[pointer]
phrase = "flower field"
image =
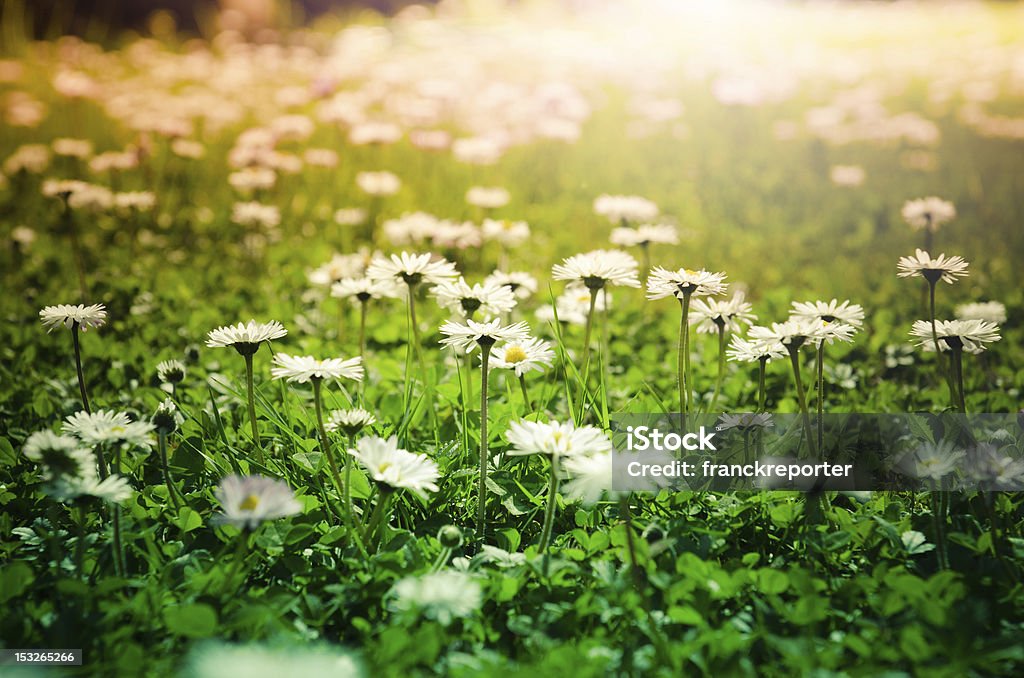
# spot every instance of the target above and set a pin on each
(317, 336)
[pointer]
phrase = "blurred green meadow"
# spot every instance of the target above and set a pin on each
(731, 118)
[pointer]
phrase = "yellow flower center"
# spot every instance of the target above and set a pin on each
(117, 429)
(689, 271)
(384, 466)
(515, 354)
(250, 503)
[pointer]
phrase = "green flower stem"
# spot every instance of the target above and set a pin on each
(348, 488)
(794, 357)
(252, 407)
(586, 335)
(325, 443)
(165, 467)
(721, 364)
(820, 360)
(683, 357)
(362, 328)
(481, 514)
(526, 395)
(762, 368)
(384, 495)
(627, 524)
(956, 360)
(78, 366)
(80, 543)
(442, 558)
(932, 282)
(940, 533)
(549, 512)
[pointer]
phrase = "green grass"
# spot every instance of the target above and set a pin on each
(728, 583)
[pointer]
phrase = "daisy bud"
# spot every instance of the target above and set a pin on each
(450, 537)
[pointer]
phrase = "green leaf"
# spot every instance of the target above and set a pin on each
(197, 620)
(14, 579)
(771, 581)
(7, 454)
(684, 614)
(188, 519)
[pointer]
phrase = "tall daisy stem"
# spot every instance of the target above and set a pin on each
(586, 335)
(721, 365)
(627, 524)
(956, 362)
(362, 329)
(325, 443)
(165, 467)
(761, 369)
(252, 408)
(683, 357)
(549, 511)
(526, 395)
(794, 357)
(373, 528)
(820, 360)
(935, 339)
(481, 512)
(78, 366)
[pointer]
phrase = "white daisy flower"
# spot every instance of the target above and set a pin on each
(619, 208)
(350, 216)
(247, 501)
(487, 197)
(711, 314)
(931, 461)
(362, 290)
(170, 371)
(468, 336)
(64, 314)
(500, 557)
(113, 489)
(590, 477)
(829, 311)
(245, 338)
(461, 298)
(303, 369)
(412, 228)
(969, 335)
(522, 284)
(745, 421)
(457, 234)
(794, 331)
(105, 426)
(665, 283)
(378, 184)
(339, 267)
(349, 421)
(507, 232)
(218, 659)
(523, 356)
(928, 213)
(749, 351)
(995, 470)
(989, 311)
(645, 234)
(255, 214)
(167, 418)
(59, 455)
(442, 596)
(944, 268)
(555, 439)
(400, 469)
(598, 268)
(411, 269)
